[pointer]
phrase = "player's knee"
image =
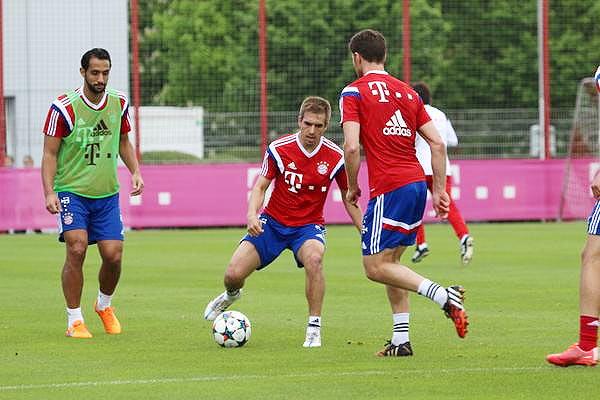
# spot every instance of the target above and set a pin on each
(113, 259)
(313, 263)
(76, 250)
(372, 271)
(233, 276)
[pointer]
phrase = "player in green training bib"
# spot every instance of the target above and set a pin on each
(86, 130)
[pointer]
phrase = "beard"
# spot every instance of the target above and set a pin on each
(95, 88)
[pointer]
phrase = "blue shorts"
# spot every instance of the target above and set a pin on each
(392, 218)
(101, 218)
(277, 237)
(594, 220)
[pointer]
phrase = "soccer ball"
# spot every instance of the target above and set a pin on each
(231, 329)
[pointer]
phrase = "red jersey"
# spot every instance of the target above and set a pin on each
(60, 118)
(301, 179)
(389, 113)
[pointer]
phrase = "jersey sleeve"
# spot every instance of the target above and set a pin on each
(125, 117)
(269, 166)
(56, 124)
(349, 104)
(451, 138)
(422, 116)
(341, 178)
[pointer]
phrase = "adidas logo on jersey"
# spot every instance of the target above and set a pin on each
(292, 165)
(101, 129)
(396, 126)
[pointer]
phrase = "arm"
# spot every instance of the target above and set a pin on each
(128, 156)
(255, 203)
(352, 159)
(51, 147)
(441, 200)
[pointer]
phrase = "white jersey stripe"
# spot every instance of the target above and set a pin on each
(63, 110)
(52, 123)
(408, 227)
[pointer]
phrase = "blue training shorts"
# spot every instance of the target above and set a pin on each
(277, 237)
(101, 218)
(594, 220)
(392, 218)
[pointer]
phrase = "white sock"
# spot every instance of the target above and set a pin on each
(73, 314)
(314, 321)
(400, 334)
(433, 291)
(232, 295)
(103, 301)
(465, 236)
(422, 246)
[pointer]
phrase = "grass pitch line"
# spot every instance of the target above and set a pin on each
(217, 378)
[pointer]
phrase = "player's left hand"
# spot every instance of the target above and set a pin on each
(441, 204)
(137, 184)
(595, 186)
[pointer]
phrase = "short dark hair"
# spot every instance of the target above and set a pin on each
(370, 44)
(423, 90)
(97, 52)
(317, 105)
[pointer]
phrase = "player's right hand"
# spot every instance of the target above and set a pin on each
(352, 195)
(595, 186)
(52, 203)
(441, 204)
(254, 226)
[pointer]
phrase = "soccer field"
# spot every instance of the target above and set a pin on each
(521, 297)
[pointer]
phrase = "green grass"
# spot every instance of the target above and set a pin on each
(521, 296)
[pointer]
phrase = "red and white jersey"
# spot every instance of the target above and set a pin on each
(301, 179)
(61, 117)
(389, 113)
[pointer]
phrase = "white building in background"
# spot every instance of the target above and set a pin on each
(43, 44)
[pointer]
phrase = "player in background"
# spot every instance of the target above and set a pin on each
(85, 132)
(585, 351)
(302, 166)
(446, 131)
(384, 114)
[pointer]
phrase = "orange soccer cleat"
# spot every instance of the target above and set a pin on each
(78, 330)
(109, 320)
(574, 356)
(455, 310)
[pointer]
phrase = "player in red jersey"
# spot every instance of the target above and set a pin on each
(302, 166)
(585, 351)
(384, 114)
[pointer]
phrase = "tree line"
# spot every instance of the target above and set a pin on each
(473, 53)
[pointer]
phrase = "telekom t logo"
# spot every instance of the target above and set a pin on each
(379, 89)
(294, 180)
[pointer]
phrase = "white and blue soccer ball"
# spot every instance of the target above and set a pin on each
(231, 329)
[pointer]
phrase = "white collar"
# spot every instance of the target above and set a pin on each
(376, 71)
(306, 153)
(87, 101)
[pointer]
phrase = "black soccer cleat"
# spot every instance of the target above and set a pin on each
(390, 350)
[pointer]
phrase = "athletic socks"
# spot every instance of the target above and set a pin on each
(103, 301)
(314, 321)
(433, 291)
(400, 334)
(232, 294)
(73, 314)
(588, 332)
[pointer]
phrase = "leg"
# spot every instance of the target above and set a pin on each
(585, 351)
(244, 261)
(589, 292)
(382, 267)
(72, 274)
(311, 256)
(460, 227)
(111, 252)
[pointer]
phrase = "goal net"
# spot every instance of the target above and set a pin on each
(582, 161)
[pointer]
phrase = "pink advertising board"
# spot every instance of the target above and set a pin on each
(216, 194)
